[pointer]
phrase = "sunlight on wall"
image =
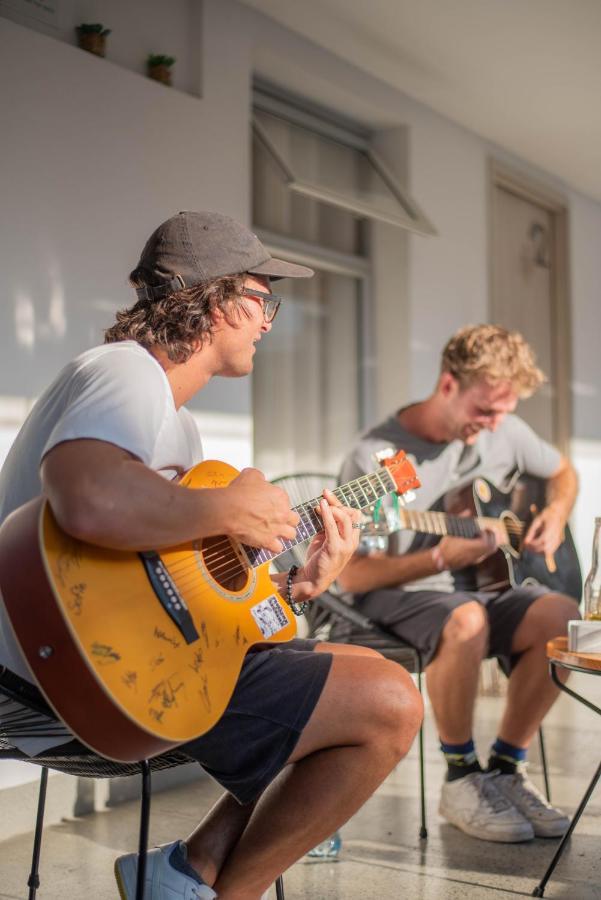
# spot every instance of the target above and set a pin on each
(226, 437)
(24, 321)
(15, 773)
(13, 412)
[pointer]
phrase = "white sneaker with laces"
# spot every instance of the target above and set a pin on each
(474, 805)
(547, 820)
(164, 881)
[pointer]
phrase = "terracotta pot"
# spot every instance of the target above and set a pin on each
(160, 73)
(93, 43)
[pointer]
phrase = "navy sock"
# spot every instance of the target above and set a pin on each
(461, 759)
(506, 758)
(178, 858)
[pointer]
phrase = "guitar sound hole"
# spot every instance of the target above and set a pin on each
(223, 564)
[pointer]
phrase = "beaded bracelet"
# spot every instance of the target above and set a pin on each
(297, 608)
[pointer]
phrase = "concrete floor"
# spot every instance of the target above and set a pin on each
(382, 856)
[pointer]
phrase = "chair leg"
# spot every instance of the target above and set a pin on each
(144, 819)
(423, 830)
(543, 758)
(33, 881)
(279, 888)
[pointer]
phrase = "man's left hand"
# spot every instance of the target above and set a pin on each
(546, 532)
(330, 550)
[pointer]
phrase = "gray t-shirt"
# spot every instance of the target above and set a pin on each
(116, 393)
(496, 456)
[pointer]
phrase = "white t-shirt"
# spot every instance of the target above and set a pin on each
(116, 393)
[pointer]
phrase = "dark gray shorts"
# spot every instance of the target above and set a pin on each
(278, 689)
(418, 617)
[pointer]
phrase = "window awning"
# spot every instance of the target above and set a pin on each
(353, 178)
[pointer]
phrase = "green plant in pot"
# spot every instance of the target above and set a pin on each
(159, 66)
(91, 36)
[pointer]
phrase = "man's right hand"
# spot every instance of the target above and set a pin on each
(457, 553)
(261, 512)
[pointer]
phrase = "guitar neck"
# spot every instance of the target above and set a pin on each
(430, 522)
(358, 494)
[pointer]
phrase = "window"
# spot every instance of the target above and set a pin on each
(317, 186)
(306, 387)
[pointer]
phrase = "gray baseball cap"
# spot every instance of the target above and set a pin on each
(193, 247)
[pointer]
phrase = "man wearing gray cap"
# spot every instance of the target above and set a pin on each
(106, 443)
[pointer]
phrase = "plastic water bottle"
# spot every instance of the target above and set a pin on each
(328, 849)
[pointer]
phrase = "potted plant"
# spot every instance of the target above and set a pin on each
(158, 67)
(91, 36)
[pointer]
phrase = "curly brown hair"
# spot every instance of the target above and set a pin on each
(494, 354)
(177, 323)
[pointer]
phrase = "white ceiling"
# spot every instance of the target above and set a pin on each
(525, 74)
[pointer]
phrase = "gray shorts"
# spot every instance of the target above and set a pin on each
(418, 617)
(278, 689)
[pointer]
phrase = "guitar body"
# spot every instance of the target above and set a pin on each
(137, 653)
(511, 566)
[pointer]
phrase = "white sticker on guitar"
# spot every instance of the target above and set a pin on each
(269, 616)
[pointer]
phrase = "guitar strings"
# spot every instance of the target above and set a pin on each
(222, 560)
(309, 519)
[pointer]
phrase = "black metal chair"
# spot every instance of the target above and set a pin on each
(24, 713)
(333, 617)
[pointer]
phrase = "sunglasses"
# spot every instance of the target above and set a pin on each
(270, 302)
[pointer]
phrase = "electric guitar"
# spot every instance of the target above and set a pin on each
(140, 652)
(511, 511)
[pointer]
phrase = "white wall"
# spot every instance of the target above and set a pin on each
(94, 159)
(137, 29)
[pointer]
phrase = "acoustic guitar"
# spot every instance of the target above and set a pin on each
(511, 512)
(140, 652)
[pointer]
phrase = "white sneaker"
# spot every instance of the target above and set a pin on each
(474, 805)
(547, 820)
(163, 881)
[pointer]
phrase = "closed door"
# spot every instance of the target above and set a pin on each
(524, 299)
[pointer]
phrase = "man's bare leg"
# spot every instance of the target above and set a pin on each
(531, 692)
(452, 676)
(212, 841)
(363, 724)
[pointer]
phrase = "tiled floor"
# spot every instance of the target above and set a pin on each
(382, 856)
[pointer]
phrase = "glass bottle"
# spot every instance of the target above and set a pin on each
(328, 849)
(592, 585)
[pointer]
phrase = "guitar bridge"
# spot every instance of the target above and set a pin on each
(168, 595)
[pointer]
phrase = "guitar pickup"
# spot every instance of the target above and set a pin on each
(168, 595)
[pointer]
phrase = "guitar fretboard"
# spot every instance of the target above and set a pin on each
(429, 522)
(358, 494)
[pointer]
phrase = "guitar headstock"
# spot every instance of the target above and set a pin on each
(402, 471)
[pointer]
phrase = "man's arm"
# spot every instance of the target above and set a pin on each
(372, 571)
(101, 494)
(546, 530)
(369, 572)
